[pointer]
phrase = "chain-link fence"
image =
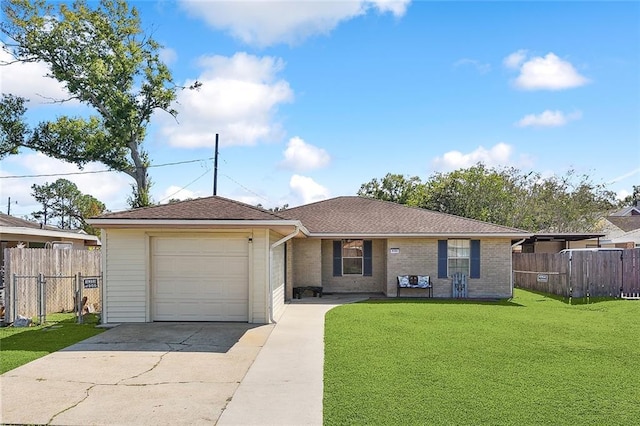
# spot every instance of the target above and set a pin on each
(38, 295)
(88, 295)
(38, 282)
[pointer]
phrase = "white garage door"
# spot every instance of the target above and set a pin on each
(200, 278)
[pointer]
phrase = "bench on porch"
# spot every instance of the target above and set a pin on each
(297, 291)
(415, 281)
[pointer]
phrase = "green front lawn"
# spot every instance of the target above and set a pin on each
(20, 345)
(533, 360)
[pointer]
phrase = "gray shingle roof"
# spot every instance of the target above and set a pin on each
(341, 215)
(7, 220)
(366, 216)
(626, 223)
(209, 208)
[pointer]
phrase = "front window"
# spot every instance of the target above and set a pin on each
(352, 257)
(458, 255)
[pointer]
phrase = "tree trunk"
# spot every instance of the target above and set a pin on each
(141, 196)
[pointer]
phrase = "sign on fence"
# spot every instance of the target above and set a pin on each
(90, 282)
(543, 278)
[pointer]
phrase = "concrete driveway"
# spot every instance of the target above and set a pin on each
(156, 373)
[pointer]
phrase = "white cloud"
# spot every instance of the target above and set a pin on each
(111, 188)
(516, 59)
(168, 56)
(238, 99)
(306, 190)
(481, 67)
(548, 118)
(544, 73)
(301, 156)
(397, 7)
(498, 155)
(267, 22)
(29, 81)
(622, 194)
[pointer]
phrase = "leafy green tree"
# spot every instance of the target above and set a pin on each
(477, 192)
(106, 62)
(629, 200)
(507, 197)
(274, 209)
(44, 195)
(395, 188)
(13, 129)
(65, 206)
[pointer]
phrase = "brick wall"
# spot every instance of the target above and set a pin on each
(419, 256)
(416, 256)
(305, 259)
(355, 283)
(311, 263)
(495, 270)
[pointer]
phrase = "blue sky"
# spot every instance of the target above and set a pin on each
(313, 99)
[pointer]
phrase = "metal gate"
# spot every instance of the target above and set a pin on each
(38, 295)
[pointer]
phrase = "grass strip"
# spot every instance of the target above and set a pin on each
(531, 360)
(20, 345)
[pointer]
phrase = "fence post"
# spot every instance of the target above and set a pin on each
(622, 273)
(41, 299)
(79, 297)
(14, 298)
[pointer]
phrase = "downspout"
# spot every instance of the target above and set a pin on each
(274, 245)
(511, 261)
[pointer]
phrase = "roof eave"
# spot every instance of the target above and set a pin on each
(191, 223)
(420, 235)
(18, 230)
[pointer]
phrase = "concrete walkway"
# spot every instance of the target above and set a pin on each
(285, 383)
(180, 374)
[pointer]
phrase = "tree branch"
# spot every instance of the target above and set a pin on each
(58, 101)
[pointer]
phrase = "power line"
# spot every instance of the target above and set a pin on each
(241, 185)
(57, 174)
(245, 188)
(181, 162)
(101, 171)
(185, 187)
(151, 166)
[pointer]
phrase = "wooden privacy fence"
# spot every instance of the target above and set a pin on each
(43, 281)
(580, 273)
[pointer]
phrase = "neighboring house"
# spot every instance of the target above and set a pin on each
(622, 228)
(622, 231)
(554, 242)
(15, 232)
(215, 259)
(633, 210)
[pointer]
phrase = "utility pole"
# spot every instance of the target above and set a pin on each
(215, 169)
(9, 206)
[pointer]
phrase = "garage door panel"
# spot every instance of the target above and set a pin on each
(193, 246)
(201, 311)
(200, 279)
(203, 265)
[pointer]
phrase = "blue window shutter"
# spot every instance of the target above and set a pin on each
(475, 259)
(442, 258)
(337, 258)
(368, 258)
